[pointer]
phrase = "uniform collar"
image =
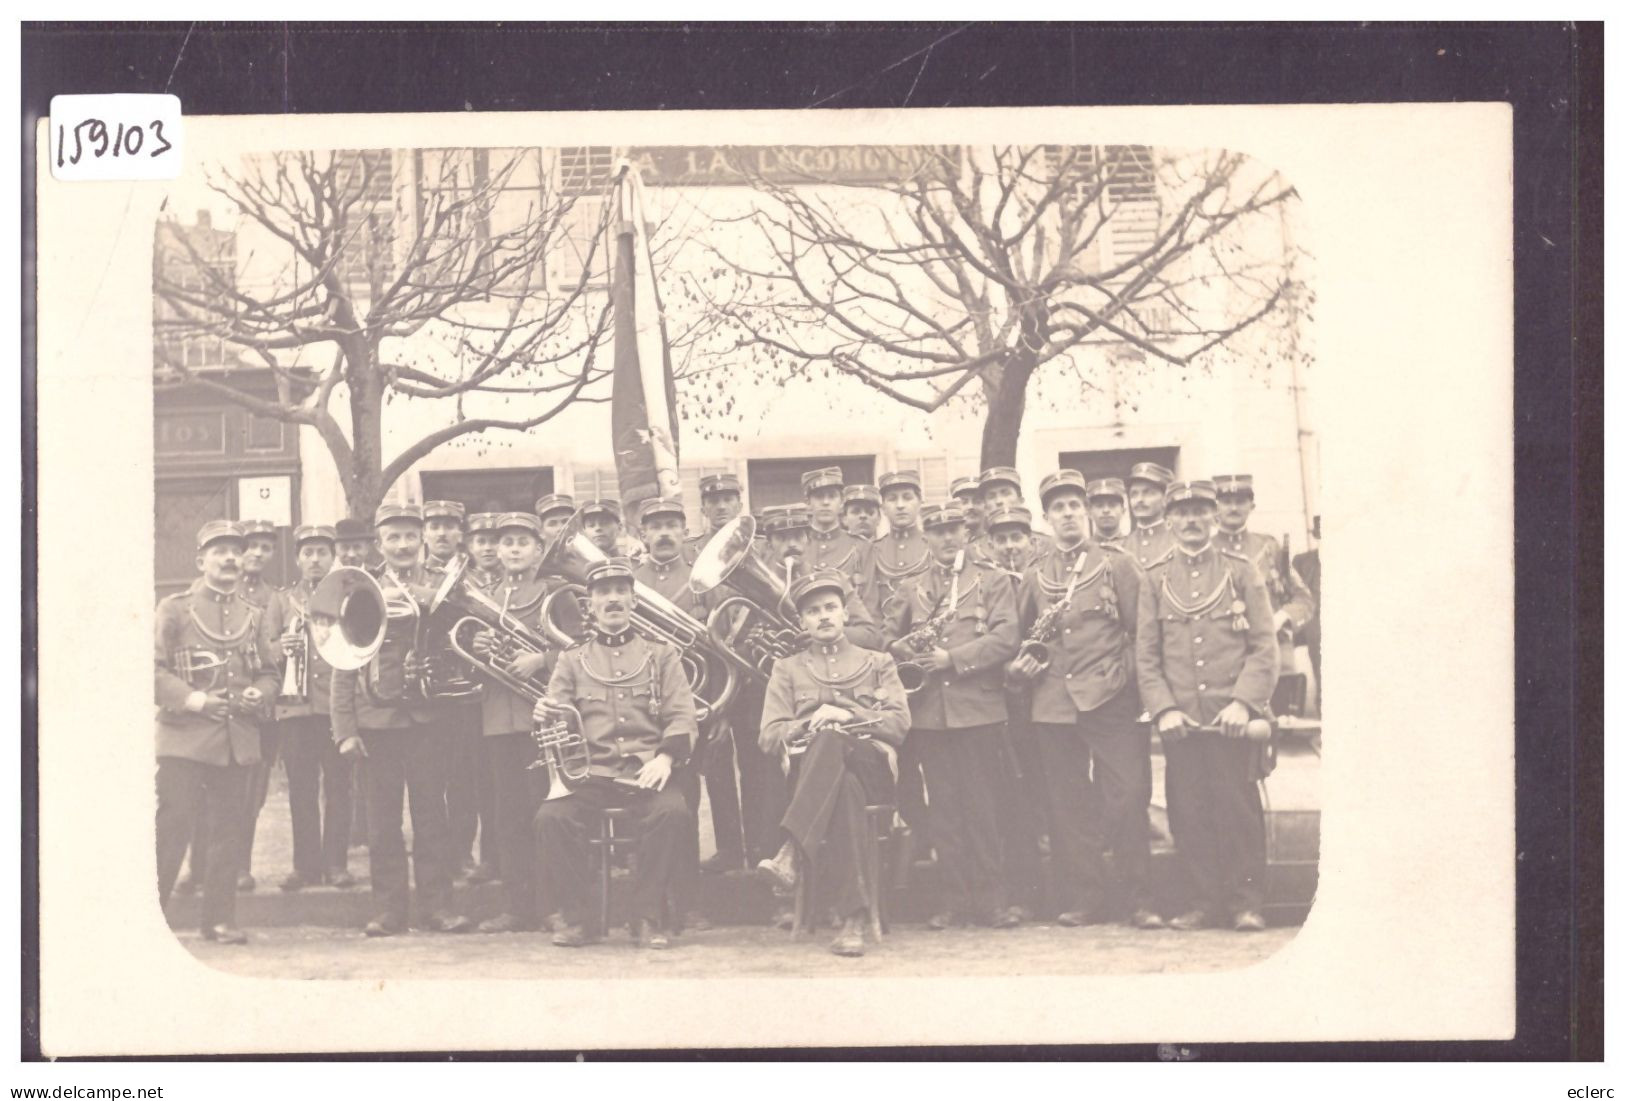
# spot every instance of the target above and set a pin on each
(621, 639)
(525, 575)
(1234, 539)
(1069, 553)
(217, 595)
(663, 568)
(831, 650)
(826, 536)
(900, 534)
(1197, 557)
(1153, 529)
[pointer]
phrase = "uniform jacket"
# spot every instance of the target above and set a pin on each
(633, 698)
(1206, 635)
(1092, 654)
(1149, 544)
(503, 711)
(980, 639)
(898, 555)
(253, 588)
(289, 609)
(225, 624)
(863, 681)
(377, 696)
(670, 580)
(1286, 590)
(841, 550)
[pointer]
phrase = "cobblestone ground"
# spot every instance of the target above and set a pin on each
(303, 952)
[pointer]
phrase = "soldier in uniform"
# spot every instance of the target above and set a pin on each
(721, 502)
(957, 623)
(999, 487)
(666, 571)
(860, 511)
(789, 536)
(1108, 511)
(216, 672)
(259, 538)
(1084, 710)
(378, 715)
(637, 717)
(1022, 800)
(516, 788)
(829, 547)
(1290, 600)
(467, 795)
(601, 522)
(355, 544)
(1206, 655)
(320, 786)
(554, 511)
(844, 709)
(1147, 491)
(483, 541)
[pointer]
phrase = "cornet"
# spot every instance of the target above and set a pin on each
(561, 749)
(296, 673)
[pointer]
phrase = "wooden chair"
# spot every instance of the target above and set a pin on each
(613, 833)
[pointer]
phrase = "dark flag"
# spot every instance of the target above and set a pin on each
(644, 400)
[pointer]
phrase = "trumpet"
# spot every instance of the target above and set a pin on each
(565, 621)
(561, 749)
(296, 673)
(756, 625)
(797, 744)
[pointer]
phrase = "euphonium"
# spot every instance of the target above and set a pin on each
(564, 619)
(754, 625)
(562, 750)
(481, 613)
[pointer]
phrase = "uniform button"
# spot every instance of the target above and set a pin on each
(1067, 631)
(1198, 639)
(1201, 688)
(1200, 662)
(1069, 676)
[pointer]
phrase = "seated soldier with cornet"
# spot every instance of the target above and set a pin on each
(838, 712)
(633, 710)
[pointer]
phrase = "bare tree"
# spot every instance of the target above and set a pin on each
(353, 292)
(966, 277)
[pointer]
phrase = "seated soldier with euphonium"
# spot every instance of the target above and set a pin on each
(840, 713)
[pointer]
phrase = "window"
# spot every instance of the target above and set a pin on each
(778, 481)
(1131, 204)
(933, 470)
(1117, 463)
(513, 490)
(583, 175)
(596, 483)
(492, 202)
(365, 179)
(690, 477)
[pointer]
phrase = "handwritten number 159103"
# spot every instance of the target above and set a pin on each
(92, 136)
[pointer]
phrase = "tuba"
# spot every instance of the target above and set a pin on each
(562, 750)
(754, 625)
(478, 612)
(349, 617)
(565, 621)
(444, 676)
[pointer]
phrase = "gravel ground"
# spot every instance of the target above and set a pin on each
(321, 953)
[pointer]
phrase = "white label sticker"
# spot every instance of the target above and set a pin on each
(116, 137)
(269, 498)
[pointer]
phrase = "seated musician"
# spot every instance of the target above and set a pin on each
(841, 712)
(637, 716)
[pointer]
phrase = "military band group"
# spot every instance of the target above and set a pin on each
(990, 688)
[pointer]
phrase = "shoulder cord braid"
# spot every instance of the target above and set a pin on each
(251, 653)
(904, 570)
(625, 680)
(1204, 605)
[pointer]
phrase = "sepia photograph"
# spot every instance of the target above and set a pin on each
(867, 564)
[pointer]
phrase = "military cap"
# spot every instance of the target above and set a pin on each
(660, 506)
(483, 521)
(818, 581)
(1199, 490)
(940, 516)
(443, 510)
(860, 493)
(1233, 483)
(967, 484)
(609, 569)
(1061, 479)
(1015, 515)
(906, 479)
(1107, 487)
(215, 530)
(554, 502)
(829, 477)
(352, 527)
(995, 474)
(256, 527)
(524, 520)
(607, 505)
(785, 518)
(1155, 473)
(386, 513)
(305, 533)
(720, 483)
